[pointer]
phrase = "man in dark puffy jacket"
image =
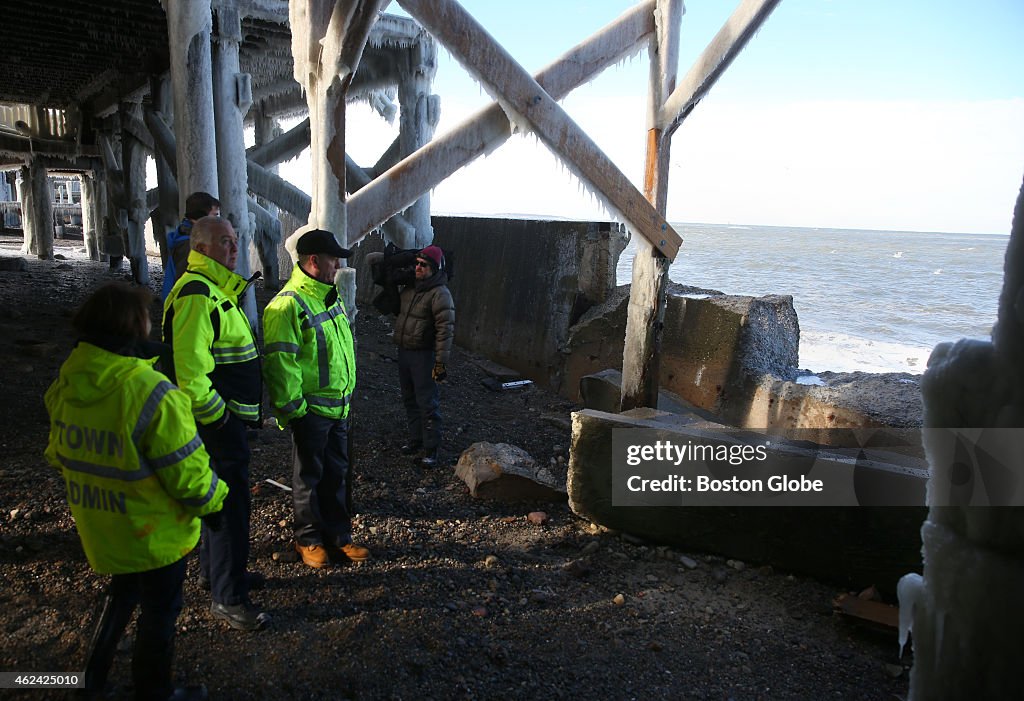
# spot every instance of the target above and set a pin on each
(424, 331)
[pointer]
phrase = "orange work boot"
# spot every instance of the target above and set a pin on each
(351, 552)
(313, 555)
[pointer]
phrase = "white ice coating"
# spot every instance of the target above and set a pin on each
(967, 612)
(189, 25)
(909, 591)
(382, 102)
(317, 27)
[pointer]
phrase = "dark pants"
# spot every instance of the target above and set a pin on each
(320, 473)
(159, 593)
(223, 554)
(421, 398)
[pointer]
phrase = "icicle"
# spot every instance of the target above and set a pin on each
(909, 591)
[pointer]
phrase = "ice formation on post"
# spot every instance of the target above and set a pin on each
(966, 611)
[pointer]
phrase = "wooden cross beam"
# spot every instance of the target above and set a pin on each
(528, 102)
(484, 131)
(741, 26)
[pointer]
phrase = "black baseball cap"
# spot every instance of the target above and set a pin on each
(321, 241)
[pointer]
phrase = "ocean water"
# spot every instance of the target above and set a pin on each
(876, 301)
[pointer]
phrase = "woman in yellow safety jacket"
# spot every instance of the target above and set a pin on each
(138, 480)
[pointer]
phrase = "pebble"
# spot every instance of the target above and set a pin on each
(736, 565)
(537, 518)
(543, 598)
(619, 600)
(894, 670)
(577, 568)
(491, 561)
(283, 523)
(480, 611)
(590, 548)
(688, 562)
(373, 530)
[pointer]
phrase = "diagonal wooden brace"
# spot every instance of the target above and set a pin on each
(529, 102)
(483, 132)
(741, 26)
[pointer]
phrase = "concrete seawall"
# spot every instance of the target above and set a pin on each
(539, 296)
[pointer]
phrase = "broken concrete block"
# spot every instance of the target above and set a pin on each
(506, 472)
(14, 265)
(844, 544)
(712, 347)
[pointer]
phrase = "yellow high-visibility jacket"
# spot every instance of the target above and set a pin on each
(136, 472)
(216, 362)
(310, 358)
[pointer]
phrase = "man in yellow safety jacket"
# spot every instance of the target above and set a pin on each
(216, 363)
(311, 373)
(137, 478)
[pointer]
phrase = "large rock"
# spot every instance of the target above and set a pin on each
(508, 473)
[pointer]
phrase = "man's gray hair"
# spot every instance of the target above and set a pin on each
(206, 229)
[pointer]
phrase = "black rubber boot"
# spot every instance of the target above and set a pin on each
(114, 617)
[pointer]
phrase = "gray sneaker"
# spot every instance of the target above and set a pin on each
(242, 616)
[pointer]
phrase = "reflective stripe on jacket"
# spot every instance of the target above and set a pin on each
(310, 358)
(136, 472)
(216, 361)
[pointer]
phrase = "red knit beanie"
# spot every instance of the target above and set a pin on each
(434, 254)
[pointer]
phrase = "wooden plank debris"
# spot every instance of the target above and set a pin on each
(874, 613)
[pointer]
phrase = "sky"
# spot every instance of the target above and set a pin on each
(867, 114)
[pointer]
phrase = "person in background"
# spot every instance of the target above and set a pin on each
(138, 480)
(310, 372)
(424, 330)
(216, 363)
(197, 206)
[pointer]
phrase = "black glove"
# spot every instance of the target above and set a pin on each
(214, 520)
(297, 423)
(439, 373)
